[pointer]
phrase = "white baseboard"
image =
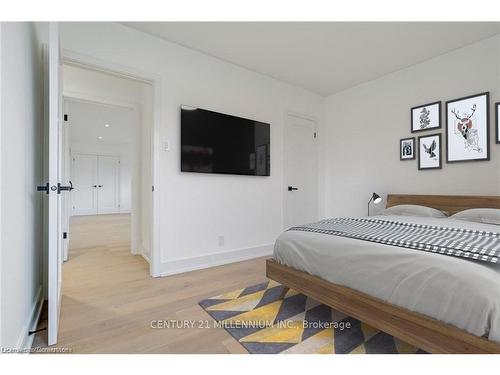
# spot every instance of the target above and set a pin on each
(215, 259)
(25, 340)
(145, 256)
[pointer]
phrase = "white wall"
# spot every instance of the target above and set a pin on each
(364, 125)
(195, 208)
(21, 125)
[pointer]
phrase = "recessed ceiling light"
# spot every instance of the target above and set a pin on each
(99, 137)
(106, 125)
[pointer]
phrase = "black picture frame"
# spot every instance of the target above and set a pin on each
(487, 94)
(401, 148)
(497, 122)
(438, 103)
(440, 156)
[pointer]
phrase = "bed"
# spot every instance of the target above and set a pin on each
(439, 303)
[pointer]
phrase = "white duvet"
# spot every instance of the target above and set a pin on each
(454, 290)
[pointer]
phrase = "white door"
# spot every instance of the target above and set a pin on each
(53, 168)
(300, 171)
(108, 182)
(84, 178)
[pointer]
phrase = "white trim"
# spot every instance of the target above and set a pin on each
(144, 255)
(301, 116)
(90, 62)
(215, 259)
(25, 340)
(80, 97)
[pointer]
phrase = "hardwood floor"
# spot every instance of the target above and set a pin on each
(109, 300)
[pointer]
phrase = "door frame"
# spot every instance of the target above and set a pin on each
(91, 63)
(283, 138)
(136, 108)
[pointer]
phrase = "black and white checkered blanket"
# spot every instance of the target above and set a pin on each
(465, 243)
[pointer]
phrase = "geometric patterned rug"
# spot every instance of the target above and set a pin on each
(269, 318)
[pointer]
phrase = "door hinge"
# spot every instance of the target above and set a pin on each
(314, 134)
(65, 235)
(153, 188)
(65, 117)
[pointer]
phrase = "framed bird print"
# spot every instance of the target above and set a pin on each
(467, 128)
(426, 117)
(497, 124)
(429, 151)
(407, 149)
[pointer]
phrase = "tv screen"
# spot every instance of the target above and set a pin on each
(214, 142)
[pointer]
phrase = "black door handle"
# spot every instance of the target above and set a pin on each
(291, 188)
(64, 188)
(100, 185)
(44, 188)
(94, 186)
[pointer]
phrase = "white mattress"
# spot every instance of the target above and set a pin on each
(454, 290)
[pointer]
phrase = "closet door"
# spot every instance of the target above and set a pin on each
(84, 177)
(108, 180)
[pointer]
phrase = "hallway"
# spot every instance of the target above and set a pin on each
(109, 299)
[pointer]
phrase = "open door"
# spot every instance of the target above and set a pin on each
(53, 187)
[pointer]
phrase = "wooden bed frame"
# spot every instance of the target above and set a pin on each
(424, 332)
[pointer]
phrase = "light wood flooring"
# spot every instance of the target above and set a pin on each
(109, 299)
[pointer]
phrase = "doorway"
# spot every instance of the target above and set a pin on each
(300, 203)
(108, 119)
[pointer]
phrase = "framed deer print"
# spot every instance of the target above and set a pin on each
(407, 149)
(426, 117)
(497, 124)
(467, 128)
(429, 151)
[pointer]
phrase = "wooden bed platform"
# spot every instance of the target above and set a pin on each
(424, 332)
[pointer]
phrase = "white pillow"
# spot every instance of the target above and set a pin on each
(413, 210)
(479, 215)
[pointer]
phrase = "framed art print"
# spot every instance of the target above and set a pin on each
(467, 128)
(497, 123)
(407, 149)
(426, 117)
(429, 151)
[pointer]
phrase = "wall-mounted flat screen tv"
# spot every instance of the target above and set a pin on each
(213, 142)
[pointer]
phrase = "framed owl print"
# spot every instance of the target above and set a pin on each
(467, 128)
(429, 151)
(426, 117)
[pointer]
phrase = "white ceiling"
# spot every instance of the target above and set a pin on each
(324, 57)
(87, 123)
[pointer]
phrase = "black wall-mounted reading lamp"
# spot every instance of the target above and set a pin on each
(376, 199)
